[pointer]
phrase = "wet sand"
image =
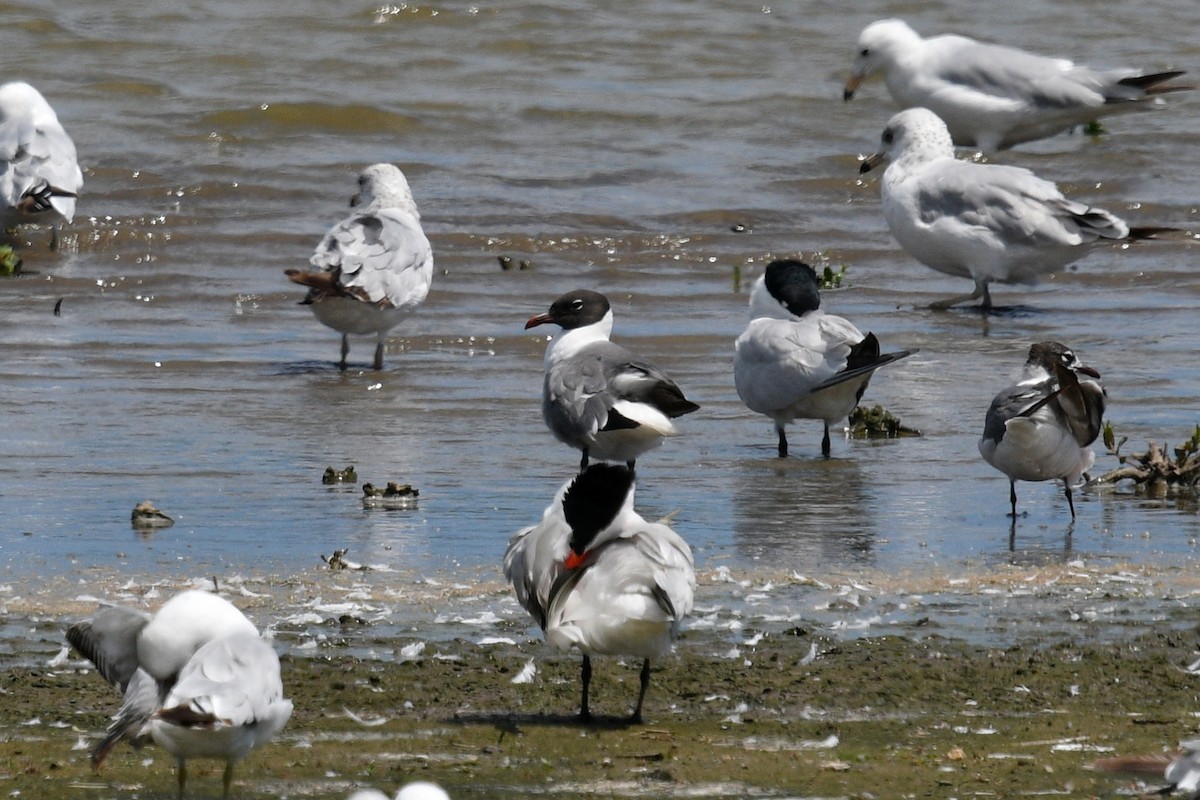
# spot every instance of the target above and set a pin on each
(754, 705)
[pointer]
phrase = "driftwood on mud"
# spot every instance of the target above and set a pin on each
(1155, 472)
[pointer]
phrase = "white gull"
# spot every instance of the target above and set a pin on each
(991, 96)
(375, 266)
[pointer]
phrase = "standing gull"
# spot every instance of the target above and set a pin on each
(39, 176)
(375, 266)
(1039, 428)
(196, 678)
(794, 360)
(597, 396)
(986, 222)
(993, 97)
(598, 577)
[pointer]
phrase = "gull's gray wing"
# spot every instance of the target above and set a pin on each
(109, 640)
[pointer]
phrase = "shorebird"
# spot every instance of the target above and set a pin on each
(1040, 428)
(986, 222)
(39, 176)
(597, 396)
(599, 578)
(374, 267)
(991, 96)
(196, 677)
(795, 361)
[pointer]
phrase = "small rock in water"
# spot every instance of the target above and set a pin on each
(145, 515)
(396, 495)
(347, 475)
(878, 423)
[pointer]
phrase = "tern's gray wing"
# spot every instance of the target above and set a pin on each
(864, 359)
(109, 640)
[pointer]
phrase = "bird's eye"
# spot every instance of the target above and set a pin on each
(888, 136)
(577, 305)
(865, 52)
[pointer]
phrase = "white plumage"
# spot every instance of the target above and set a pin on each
(597, 396)
(991, 96)
(39, 176)
(794, 361)
(196, 678)
(375, 266)
(1040, 428)
(987, 222)
(599, 578)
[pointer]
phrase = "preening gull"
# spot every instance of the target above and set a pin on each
(196, 676)
(1040, 428)
(39, 175)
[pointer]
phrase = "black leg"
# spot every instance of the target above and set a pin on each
(825, 442)
(631, 463)
(379, 356)
(586, 675)
(1012, 497)
(1070, 500)
(583, 462)
(782, 441)
(637, 712)
(345, 351)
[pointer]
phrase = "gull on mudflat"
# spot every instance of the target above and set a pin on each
(597, 396)
(987, 222)
(39, 176)
(375, 266)
(599, 578)
(196, 676)
(794, 360)
(993, 97)
(1040, 428)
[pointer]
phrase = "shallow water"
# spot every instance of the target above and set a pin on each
(614, 147)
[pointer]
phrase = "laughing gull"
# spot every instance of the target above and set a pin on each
(794, 360)
(993, 97)
(196, 678)
(597, 396)
(599, 578)
(986, 222)
(1039, 428)
(375, 266)
(39, 176)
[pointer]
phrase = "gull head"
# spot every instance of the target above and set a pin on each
(879, 46)
(914, 135)
(384, 186)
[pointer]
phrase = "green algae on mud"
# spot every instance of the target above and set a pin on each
(883, 716)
